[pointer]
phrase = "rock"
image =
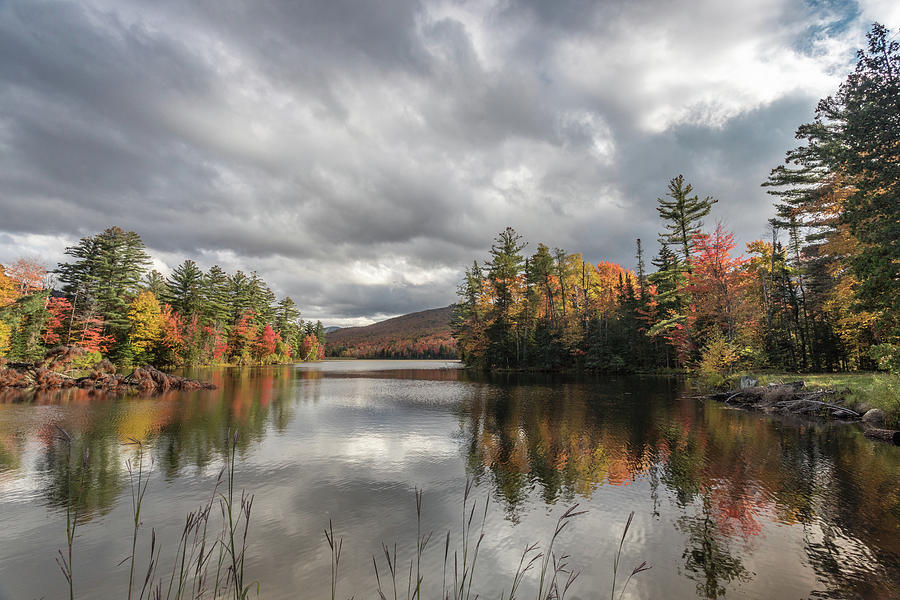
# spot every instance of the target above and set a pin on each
(748, 382)
(50, 373)
(104, 366)
(874, 416)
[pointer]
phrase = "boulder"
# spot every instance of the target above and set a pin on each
(748, 382)
(874, 416)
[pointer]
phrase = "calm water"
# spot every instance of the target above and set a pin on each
(728, 503)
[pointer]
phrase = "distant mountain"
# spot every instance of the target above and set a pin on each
(424, 334)
(331, 329)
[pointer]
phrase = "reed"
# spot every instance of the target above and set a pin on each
(205, 566)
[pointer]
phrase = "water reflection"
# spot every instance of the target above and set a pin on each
(728, 471)
(730, 494)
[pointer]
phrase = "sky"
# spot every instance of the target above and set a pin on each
(359, 155)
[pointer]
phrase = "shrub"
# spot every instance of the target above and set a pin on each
(887, 357)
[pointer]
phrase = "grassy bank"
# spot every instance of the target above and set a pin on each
(860, 391)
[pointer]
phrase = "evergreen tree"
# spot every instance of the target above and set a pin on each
(866, 110)
(683, 216)
(505, 266)
(155, 283)
(642, 278)
(105, 276)
(287, 316)
(240, 296)
(216, 302)
(184, 289)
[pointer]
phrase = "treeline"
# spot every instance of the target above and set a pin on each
(107, 301)
(432, 347)
(822, 294)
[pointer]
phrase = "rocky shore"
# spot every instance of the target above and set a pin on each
(796, 399)
(54, 372)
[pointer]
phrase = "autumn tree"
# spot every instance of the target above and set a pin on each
(29, 274)
(8, 289)
(59, 314)
(145, 316)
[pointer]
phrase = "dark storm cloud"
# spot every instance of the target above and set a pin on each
(359, 155)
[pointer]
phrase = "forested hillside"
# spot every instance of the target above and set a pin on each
(820, 293)
(424, 334)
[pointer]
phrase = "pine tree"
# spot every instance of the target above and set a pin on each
(642, 278)
(683, 216)
(155, 283)
(216, 304)
(105, 276)
(503, 273)
(866, 109)
(287, 316)
(184, 289)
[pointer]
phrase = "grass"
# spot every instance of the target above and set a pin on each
(212, 567)
(861, 391)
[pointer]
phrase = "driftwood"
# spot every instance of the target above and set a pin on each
(50, 373)
(795, 398)
(883, 434)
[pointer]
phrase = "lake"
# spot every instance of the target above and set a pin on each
(727, 503)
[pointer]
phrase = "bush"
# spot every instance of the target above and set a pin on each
(717, 358)
(85, 361)
(886, 356)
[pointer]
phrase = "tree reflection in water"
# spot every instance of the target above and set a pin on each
(727, 471)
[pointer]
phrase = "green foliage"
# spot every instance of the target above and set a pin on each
(25, 319)
(887, 357)
(503, 272)
(864, 115)
(184, 289)
(86, 361)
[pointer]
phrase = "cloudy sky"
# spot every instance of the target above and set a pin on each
(360, 154)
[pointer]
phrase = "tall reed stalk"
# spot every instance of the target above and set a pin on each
(72, 504)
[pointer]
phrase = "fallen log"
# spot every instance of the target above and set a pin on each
(883, 434)
(825, 404)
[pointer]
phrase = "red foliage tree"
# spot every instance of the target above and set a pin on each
(243, 336)
(266, 343)
(56, 329)
(91, 337)
(171, 338)
(717, 281)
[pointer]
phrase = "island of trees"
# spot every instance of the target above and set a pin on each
(108, 302)
(821, 293)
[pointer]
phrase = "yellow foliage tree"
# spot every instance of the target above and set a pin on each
(5, 333)
(718, 357)
(145, 316)
(8, 288)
